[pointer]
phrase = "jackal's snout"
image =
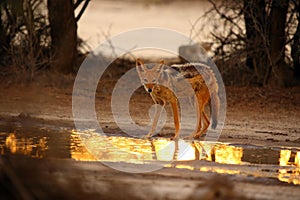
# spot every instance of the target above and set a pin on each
(149, 87)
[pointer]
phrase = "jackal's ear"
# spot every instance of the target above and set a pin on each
(160, 66)
(140, 66)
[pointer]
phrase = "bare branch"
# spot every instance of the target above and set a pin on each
(86, 3)
(77, 3)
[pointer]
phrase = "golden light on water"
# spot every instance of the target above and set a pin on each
(204, 150)
(78, 150)
(228, 154)
(11, 143)
(34, 147)
(141, 151)
(189, 167)
(125, 149)
(220, 171)
(167, 150)
(284, 157)
(186, 151)
(297, 159)
(112, 149)
(164, 149)
(138, 151)
(289, 175)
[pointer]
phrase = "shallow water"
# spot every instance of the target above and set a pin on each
(282, 163)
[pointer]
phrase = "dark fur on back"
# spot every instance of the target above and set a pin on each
(189, 71)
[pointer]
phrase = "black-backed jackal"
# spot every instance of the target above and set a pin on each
(162, 82)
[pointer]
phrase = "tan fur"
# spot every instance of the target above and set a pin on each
(202, 84)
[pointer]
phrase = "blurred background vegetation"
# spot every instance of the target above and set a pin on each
(254, 42)
(257, 40)
(38, 35)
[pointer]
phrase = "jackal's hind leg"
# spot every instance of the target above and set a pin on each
(198, 105)
(157, 113)
(202, 119)
(175, 107)
(205, 125)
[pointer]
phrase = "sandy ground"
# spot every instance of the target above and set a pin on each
(88, 180)
(256, 116)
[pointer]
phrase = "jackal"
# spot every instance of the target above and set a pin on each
(163, 82)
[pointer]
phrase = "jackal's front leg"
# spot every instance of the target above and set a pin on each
(158, 110)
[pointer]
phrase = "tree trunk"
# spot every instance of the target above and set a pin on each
(3, 36)
(277, 40)
(296, 47)
(2, 33)
(256, 29)
(63, 35)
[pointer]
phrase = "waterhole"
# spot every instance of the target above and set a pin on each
(281, 163)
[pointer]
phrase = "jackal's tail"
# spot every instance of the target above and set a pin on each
(215, 106)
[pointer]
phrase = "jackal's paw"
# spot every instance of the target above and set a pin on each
(199, 135)
(189, 137)
(193, 136)
(148, 136)
(175, 138)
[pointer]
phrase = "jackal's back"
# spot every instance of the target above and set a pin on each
(196, 72)
(203, 81)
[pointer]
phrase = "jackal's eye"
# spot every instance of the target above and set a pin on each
(145, 80)
(153, 81)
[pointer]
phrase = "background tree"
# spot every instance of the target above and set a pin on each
(63, 25)
(255, 17)
(296, 41)
(259, 36)
(277, 39)
(63, 34)
(32, 39)
(24, 37)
